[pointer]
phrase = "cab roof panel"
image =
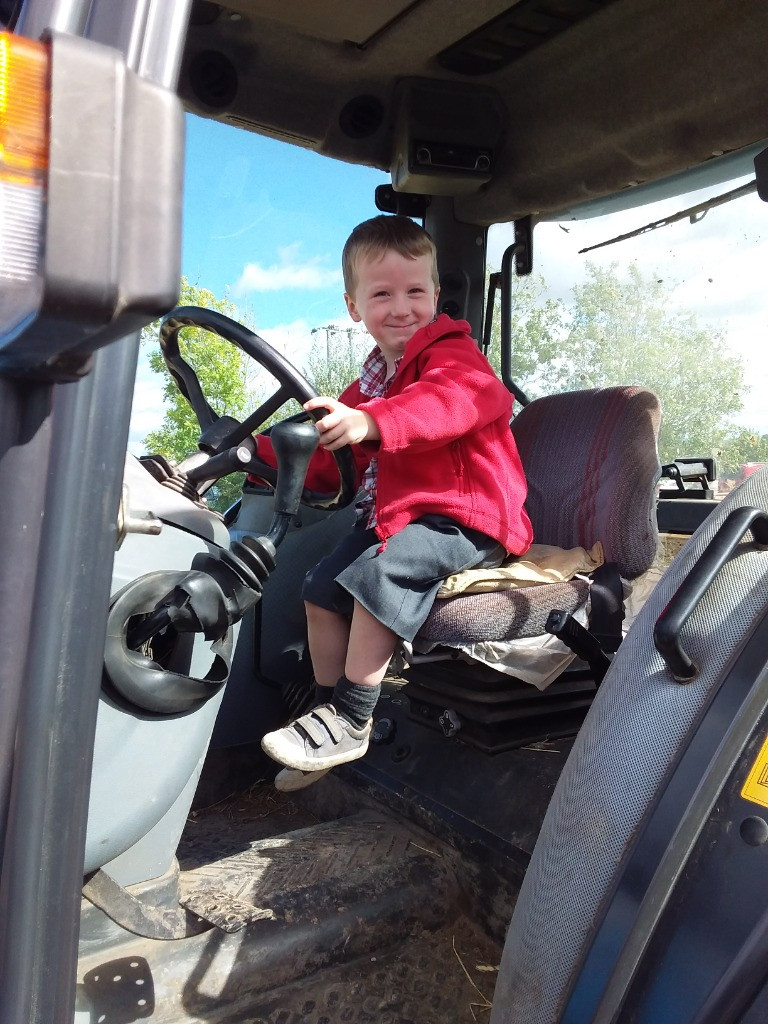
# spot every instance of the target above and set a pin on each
(596, 96)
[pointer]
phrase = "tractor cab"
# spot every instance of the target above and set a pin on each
(562, 813)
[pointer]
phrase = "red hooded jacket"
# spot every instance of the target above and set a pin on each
(445, 448)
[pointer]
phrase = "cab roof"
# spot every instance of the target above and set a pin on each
(542, 107)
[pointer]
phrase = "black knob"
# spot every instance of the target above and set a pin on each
(293, 444)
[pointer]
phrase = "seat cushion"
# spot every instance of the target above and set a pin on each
(503, 615)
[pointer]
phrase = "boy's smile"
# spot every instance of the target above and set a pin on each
(394, 297)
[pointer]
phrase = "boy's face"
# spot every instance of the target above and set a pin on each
(394, 297)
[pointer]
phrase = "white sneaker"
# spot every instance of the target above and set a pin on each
(320, 739)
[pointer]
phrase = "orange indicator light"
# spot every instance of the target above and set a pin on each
(24, 101)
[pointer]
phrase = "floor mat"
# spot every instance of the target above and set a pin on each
(444, 977)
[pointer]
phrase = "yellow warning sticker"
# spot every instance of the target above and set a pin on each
(756, 786)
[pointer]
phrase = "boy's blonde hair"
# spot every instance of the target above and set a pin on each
(379, 235)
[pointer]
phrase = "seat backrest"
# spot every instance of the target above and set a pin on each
(604, 836)
(591, 462)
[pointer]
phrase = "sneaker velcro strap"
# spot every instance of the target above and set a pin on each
(314, 730)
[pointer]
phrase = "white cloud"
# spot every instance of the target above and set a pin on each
(292, 340)
(290, 272)
(147, 410)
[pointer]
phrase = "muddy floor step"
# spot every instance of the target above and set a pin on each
(280, 909)
(442, 977)
(314, 873)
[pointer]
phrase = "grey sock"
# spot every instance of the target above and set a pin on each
(355, 701)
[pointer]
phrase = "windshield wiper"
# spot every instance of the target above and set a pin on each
(693, 213)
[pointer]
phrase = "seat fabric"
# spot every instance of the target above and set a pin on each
(501, 615)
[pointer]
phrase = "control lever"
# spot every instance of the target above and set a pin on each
(229, 461)
(294, 445)
(222, 585)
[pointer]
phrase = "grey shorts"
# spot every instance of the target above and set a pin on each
(398, 585)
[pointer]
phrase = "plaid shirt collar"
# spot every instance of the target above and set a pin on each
(373, 375)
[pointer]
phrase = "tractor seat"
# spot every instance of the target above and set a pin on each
(591, 462)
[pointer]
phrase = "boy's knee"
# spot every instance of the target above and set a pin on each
(317, 611)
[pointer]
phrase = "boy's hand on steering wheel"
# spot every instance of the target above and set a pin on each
(342, 425)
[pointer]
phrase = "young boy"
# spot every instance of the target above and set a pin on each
(443, 488)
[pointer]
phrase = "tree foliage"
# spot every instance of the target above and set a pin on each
(741, 446)
(626, 331)
(223, 374)
(538, 325)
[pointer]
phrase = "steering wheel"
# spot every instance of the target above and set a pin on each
(222, 433)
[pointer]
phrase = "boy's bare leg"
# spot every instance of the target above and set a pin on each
(370, 648)
(361, 651)
(328, 634)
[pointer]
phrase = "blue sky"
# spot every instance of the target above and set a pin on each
(282, 215)
(265, 222)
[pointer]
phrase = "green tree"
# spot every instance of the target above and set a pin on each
(538, 325)
(626, 331)
(740, 446)
(223, 374)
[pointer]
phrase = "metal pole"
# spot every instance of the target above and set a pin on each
(25, 436)
(61, 460)
(43, 862)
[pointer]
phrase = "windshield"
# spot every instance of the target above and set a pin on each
(678, 309)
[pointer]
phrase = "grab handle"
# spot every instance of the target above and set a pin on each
(666, 633)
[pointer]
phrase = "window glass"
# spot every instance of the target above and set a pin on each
(680, 309)
(264, 226)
